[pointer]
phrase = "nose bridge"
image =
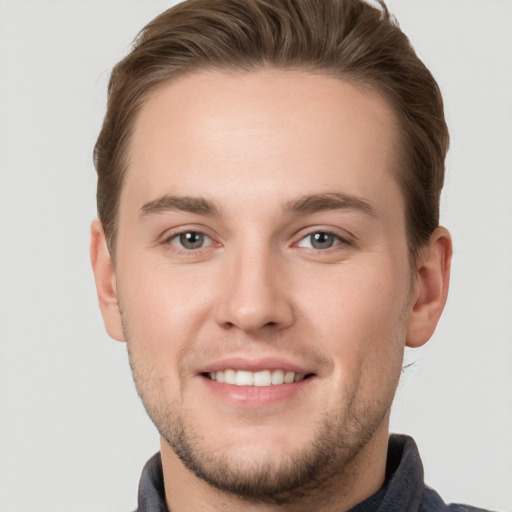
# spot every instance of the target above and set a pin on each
(255, 293)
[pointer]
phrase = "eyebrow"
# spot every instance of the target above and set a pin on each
(301, 206)
(329, 201)
(199, 205)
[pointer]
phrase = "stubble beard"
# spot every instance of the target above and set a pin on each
(325, 463)
(328, 461)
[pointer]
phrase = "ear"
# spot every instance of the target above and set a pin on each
(105, 278)
(430, 287)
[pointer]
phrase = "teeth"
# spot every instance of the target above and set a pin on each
(243, 379)
(277, 377)
(261, 378)
(289, 377)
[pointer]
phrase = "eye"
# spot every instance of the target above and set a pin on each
(190, 240)
(320, 240)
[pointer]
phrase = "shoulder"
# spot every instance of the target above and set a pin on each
(406, 486)
(432, 502)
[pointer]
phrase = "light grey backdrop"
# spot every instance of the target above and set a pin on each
(73, 436)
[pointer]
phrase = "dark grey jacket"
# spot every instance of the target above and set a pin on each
(404, 490)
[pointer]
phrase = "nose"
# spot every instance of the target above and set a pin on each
(255, 293)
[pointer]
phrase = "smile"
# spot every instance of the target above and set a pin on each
(259, 378)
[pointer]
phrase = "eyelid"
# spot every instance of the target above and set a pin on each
(337, 241)
(165, 239)
(344, 238)
(178, 235)
(169, 233)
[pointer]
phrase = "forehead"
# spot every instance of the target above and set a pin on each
(273, 132)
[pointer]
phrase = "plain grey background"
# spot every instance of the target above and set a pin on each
(73, 436)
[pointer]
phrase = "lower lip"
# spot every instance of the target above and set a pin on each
(256, 396)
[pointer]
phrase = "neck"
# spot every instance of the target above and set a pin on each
(357, 481)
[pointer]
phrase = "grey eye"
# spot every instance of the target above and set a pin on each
(191, 240)
(320, 240)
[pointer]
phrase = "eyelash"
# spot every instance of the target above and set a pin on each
(188, 251)
(336, 239)
(178, 247)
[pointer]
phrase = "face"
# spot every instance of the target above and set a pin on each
(262, 274)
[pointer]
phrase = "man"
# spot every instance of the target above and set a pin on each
(268, 243)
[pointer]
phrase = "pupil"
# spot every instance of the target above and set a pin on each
(322, 240)
(191, 240)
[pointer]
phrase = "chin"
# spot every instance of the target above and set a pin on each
(270, 471)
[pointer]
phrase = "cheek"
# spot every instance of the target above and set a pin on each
(163, 311)
(362, 323)
(360, 314)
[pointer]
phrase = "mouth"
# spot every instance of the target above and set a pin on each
(261, 378)
(262, 383)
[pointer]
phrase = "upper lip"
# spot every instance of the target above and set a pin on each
(254, 365)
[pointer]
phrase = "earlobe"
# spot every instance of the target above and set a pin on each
(431, 287)
(105, 278)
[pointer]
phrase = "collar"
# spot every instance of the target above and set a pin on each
(151, 487)
(404, 489)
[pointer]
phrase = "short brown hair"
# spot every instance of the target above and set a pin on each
(349, 39)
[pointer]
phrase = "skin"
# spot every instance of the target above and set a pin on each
(254, 145)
